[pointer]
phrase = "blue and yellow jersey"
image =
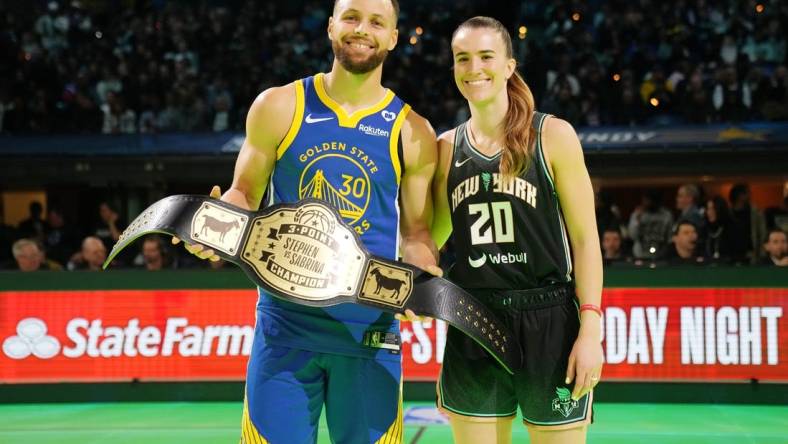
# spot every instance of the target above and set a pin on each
(352, 162)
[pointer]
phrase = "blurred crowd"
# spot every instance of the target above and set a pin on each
(161, 66)
(697, 230)
(50, 242)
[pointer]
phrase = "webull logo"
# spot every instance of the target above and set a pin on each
(498, 258)
(91, 338)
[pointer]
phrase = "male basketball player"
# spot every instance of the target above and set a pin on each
(343, 138)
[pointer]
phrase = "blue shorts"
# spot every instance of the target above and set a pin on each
(287, 387)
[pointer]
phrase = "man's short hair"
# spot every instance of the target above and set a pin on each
(394, 3)
(693, 191)
(738, 190)
(683, 222)
(19, 245)
(612, 230)
(773, 230)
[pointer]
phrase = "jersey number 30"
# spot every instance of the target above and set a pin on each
(502, 229)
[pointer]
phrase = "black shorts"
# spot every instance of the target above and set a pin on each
(547, 322)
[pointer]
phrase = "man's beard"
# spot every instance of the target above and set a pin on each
(357, 66)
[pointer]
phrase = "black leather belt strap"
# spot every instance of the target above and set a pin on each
(304, 253)
(530, 299)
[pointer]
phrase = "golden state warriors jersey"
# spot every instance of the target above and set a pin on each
(352, 162)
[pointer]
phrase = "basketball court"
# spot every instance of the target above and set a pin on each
(212, 422)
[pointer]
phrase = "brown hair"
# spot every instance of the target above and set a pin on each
(394, 3)
(518, 131)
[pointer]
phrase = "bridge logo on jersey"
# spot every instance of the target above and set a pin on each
(339, 175)
(218, 227)
(386, 284)
(304, 252)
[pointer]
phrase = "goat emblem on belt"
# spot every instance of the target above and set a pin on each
(387, 284)
(218, 227)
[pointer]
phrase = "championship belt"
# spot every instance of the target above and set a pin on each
(304, 253)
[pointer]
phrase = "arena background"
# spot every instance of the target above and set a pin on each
(106, 106)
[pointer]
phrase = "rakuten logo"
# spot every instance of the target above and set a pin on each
(93, 339)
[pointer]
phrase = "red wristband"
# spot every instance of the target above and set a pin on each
(591, 307)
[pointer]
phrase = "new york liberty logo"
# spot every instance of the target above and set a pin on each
(486, 180)
(564, 402)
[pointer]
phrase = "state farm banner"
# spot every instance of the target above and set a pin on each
(118, 335)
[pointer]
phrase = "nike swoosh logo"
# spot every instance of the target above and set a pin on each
(459, 164)
(476, 263)
(310, 119)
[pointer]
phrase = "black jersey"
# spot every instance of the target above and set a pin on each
(507, 234)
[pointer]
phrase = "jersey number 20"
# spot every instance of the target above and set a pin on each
(502, 229)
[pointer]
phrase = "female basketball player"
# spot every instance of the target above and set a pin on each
(513, 192)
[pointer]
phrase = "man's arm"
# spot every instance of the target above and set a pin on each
(441, 222)
(420, 157)
(267, 123)
(576, 196)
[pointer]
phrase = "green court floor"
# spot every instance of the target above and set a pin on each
(152, 423)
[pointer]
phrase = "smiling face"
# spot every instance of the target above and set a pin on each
(362, 32)
(481, 63)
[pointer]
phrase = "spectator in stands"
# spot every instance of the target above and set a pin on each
(732, 99)
(684, 245)
(118, 118)
(110, 226)
(559, 101)
(34, 226)
(608, 215)
(90, 257)
(60, 240)
(612, 247)
(777, 217)
(628, 109)
(776, 106)
(776, 247)
(749, 226)
(688, 198)
(155, 255)
(29, 257)
(695, 100)
(650, 227)
(719, 230)
(62, 67)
